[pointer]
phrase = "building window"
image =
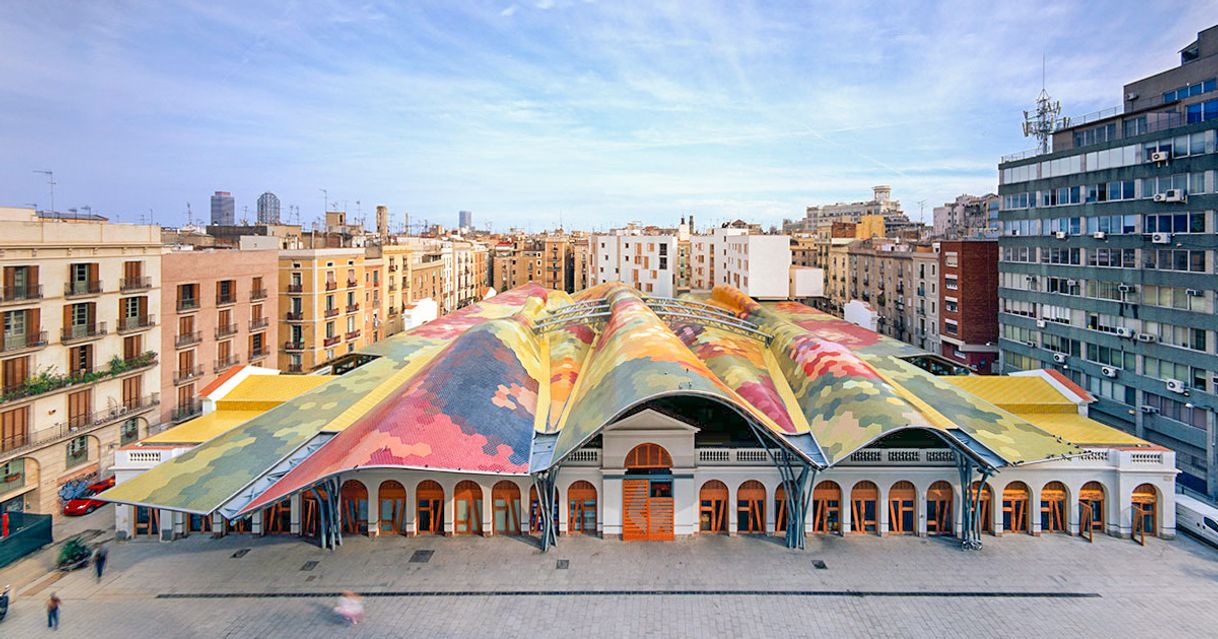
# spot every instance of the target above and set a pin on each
(129, 432)
(78, 451)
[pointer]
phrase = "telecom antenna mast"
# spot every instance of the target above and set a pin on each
(1046, 119)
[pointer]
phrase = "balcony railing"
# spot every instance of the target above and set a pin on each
(331, 341)
(353, 307)
(186, 410)
(225, 300)
(293, 346)
(903, 456)
(226, 330)
(353, 334)
(82, 332)
(13, 294)
(331, 312)
(259, 323)
(295, 288)
(77, 289)
(137, 323)
(80, 424)
(297, 316)
(257, 294)
(128, 284)
(187, 374)
(295, 368)
(259, 354)
(331, 285)
(20, 342)
(187, 339)
(226, 363)
(352, 283)
(188, 304)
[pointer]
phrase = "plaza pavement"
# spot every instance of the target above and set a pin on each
(869, 587)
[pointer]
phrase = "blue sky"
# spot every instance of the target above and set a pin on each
(528, 113)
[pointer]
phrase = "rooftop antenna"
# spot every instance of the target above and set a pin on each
(325, 201)
(190, 218)
(51, 181)
(921, 210)
(1046, 118)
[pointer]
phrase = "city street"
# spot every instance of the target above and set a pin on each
(741, 587)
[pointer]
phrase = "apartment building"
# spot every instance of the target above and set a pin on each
(646, 262)
(320, 291)
(222, 310)
(516, 263)
(881, 204)
(758, 265)
(967, 216)
(80, 300)
(581, 257)
(395, 284)
(1107, 268)
(969, 304)
(555, 254)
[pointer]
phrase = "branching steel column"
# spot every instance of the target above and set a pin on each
(970, 521)
(794, 485)
(547, 500)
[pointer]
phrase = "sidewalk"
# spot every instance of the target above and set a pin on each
(96, 528)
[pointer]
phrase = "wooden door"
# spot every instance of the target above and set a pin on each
(864, 517)
(1053, 508)
(14, 428)
(750, 508)
(147, 521)
(467, 499)
(634, 509)
(581, 500)
(780, 509)
(505, 506)
(1091, 506)
(132, 388)
(901, 513)
(659, 511)
(429, 517)
(1015, 507)
(827, 508)
(391, 502)
(712, 511)
(1145, 511)
(80, 407)
(984, 513)
(354, 498)
(939, 509)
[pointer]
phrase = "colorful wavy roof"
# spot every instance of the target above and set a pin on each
(486, 388)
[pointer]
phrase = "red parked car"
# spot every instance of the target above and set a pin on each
(83, 505)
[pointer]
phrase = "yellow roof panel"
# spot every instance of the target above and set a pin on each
(1081, 430)
(1014, 393)
(203, 428)
(264, 392)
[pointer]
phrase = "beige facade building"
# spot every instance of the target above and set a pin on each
(80, 302)
(321, 292)
(221, 310)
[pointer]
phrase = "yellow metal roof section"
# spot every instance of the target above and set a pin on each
(1015, 394)
(264, 392)
(203, 428)
(1082, 431)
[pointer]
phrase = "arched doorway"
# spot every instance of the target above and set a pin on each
(277, 519)
(827, 508)
(1145, 511)
(712, 510)
(902, 514)
(391, 500)
(505, 504)
(581, 508)
(467, 500)
(984, 502)
(429, 514)
(780, 509)
(1015, 507)
(1091, 507)
(864, 516)
(354, 507)
(647, 503)
(939, 509)
(1053, 508)
(750, 508)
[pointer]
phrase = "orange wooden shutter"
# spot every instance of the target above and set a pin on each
(635, 516)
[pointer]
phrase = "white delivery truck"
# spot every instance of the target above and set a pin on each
(1197, 518)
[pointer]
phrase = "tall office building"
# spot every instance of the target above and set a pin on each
(222, 207)
(465, 220)
(1107, 268)
(268, 208)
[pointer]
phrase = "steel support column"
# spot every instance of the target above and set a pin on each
(970, 524)
(547, 499)
(794, 484)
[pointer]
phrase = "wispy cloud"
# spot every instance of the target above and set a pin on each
(600, 112)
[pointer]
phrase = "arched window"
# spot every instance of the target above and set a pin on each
(391, 499)
(1091, 507)
(1053, 508)
(712, 511)
(750, 508)
(505, 502)
(939, 509)
(581, 504)
(1015, 507)
(467, 500)
(648, 456)
(429, 516)
(827, 508)
(1145, 510)
(864, 516)
(354, 507)
(902, 513)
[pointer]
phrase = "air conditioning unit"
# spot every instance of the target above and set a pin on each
(1121, 331)
(1061, 235)
(1125, 288)
(1109, 371)
(1192, 292)
(1176, 386)
(1099, 235)
(1041, 323)
(1147, 337)
(1060, 358)
(1071, 283)
(1159, 197)
(1160, 156)
(1175, 195)
(1160, 238)
(1150, 410)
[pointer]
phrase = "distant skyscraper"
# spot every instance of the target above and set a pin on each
(222, 206)
(268, 208)
(465, 219)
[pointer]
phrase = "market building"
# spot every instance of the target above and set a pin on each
(636, 417)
